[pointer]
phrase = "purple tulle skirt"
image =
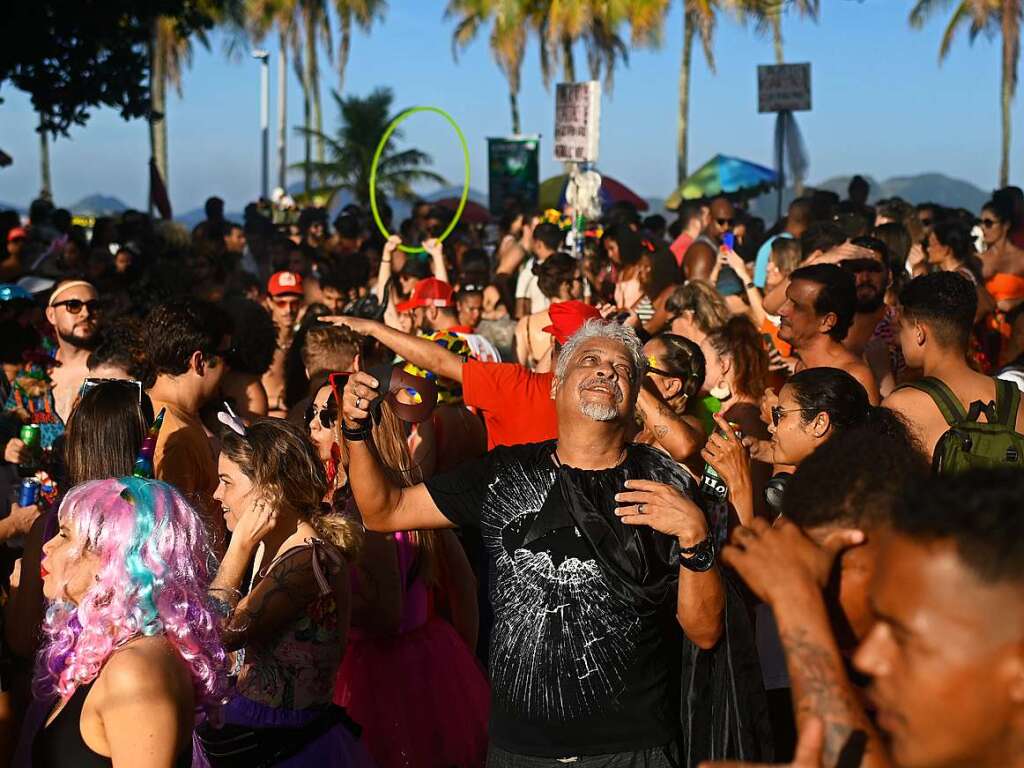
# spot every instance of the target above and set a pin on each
(421, 697)
(335, 748)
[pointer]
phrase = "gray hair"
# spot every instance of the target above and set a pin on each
(602, 329)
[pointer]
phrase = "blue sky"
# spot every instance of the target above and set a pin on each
(882, 106)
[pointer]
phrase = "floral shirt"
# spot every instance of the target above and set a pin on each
(296, 667)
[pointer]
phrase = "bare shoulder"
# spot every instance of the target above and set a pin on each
(142, 662)
(907, 399)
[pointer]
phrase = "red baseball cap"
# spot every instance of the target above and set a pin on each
(285, 284)
(15, 233)
(429, 292)
(567, 317)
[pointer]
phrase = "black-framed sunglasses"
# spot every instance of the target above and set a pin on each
(778, 412)
(74, 306)
(725, 222)
(91, 383)
(328, 415)
(988, 223)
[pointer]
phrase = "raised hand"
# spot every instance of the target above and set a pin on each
(663, 508)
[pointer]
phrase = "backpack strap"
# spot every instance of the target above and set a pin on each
(1007, 403)
(943, 396)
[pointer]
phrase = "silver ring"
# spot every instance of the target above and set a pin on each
(359, 403)
(640, 508)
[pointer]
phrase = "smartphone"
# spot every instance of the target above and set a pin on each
(729, 241)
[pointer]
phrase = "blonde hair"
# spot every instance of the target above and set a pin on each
(279, 459)
(701, 298)
(329, 348)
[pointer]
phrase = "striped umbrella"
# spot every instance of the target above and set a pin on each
(723, 175)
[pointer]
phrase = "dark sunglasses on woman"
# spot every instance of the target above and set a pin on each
(328, 415)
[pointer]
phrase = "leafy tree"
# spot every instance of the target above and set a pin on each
(350, 151)
(989, 17)
(72, 57)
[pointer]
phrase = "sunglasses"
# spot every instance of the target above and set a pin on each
(328, 415)
(74, 306)
(988, 223)
(725, 222)
(862, 265)
(91, 383)
(925, 222)
(284, 303)
(778, 413)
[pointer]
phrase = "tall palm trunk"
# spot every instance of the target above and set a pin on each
(309, 62)
(282, 118)
(568, 60)
(46, 190)
(1011, 54)
(777, 36)
(684, 97)
(158, 103)
(513, 100)
(344, 46)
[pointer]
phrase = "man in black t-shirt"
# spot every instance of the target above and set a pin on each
(598, 557)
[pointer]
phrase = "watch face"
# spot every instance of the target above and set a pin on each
(702, 559)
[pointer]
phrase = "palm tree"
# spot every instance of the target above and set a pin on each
(363, 13)
(46, 189)
(768, 15)
(363, 122)
(170, 52)
(508, 38)
(986, 16)
(699, 18)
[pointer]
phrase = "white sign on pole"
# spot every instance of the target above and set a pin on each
(577, 121)
(784, 87)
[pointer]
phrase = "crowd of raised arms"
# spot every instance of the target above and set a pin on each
(637, 494)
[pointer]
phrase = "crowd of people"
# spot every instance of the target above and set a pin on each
(627, 495)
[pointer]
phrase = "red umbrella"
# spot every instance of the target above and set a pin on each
(473, 213)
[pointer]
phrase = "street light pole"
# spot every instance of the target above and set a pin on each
(263, 56)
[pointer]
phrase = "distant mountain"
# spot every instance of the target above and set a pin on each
(98, 205)
(196, 215)
(923, 188)
(12, 207)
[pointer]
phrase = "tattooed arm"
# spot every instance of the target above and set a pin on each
(680, 436)
(788, 570)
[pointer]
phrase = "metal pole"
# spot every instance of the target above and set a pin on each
(263, 56)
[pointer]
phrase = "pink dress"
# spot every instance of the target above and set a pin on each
(421, 696)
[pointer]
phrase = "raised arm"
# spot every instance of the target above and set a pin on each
(384, 273)
(788, 571)
(435, 251)
(383, 505)
(420, 352)
(680, 437)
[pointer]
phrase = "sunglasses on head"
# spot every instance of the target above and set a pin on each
(74, 306)
(91, 383)
(328, 415)
(862, 265)
(988, 223)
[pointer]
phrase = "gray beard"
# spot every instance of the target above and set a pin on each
(599, 412)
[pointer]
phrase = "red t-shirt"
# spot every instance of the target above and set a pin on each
(516, 403)
(679, 247)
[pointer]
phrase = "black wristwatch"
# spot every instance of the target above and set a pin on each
(700, 557)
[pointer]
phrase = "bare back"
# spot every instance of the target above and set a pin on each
(925, 420)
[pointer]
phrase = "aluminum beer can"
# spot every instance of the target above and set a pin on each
(28, 493)
(31, 436)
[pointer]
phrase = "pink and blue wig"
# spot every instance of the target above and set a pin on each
(154, 571)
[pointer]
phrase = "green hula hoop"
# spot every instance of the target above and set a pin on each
(376, 160)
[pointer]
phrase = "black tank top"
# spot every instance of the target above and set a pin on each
(60, 744)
